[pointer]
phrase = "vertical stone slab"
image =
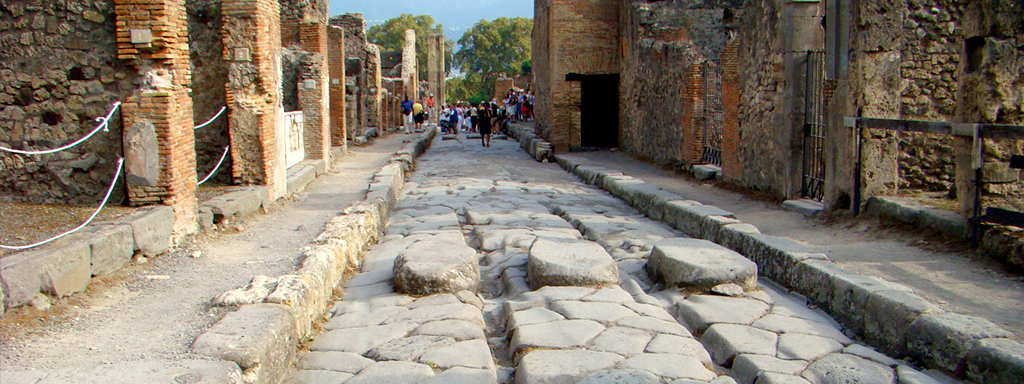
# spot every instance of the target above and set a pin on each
(314, 95)
(161, 169)
(435, 71)
(336, 66)
(252, 43)
(373, 83)
(410, 73)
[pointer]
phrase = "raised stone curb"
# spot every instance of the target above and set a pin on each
(911, 212)
(304, 296)
(235, 205)
(888, 315)
(539, 149)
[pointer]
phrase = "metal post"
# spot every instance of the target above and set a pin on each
(858, 129)
(979, 148)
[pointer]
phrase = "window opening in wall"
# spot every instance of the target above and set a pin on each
(813, 183)
(975, 50)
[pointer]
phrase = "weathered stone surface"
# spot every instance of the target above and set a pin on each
(111, 247)
(679, 345)
(335, 361)
(437, 266)
(870, 354)
(407, 348)
(146, 371)
(461, 375)
(687, 216)
(621, 376)
(654, 325)
(597, 311)
(746, 367)
(907, 375)
(535, 315)
(393, 372)
(997, 361)
(699, 264)
(561, 262)
(788, 324)
(943, 339)
(360, 340)
(468, 354)
(669, 366)
(796, 346)
(841, 368)
(261, 338)
(562, 367)
(701, 311)
(621, 340)
(778, 378)
(151, 229)
(706, 172)
(725, 341)
(309, 376)
(457, 329)
(557, 334)
(60, 269)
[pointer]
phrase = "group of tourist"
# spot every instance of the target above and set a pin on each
(483, 118)
(519, 104)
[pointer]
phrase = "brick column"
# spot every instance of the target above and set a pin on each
(373, 84)
(693, 105)
(160, 157)
(336, 65)
(252, 44)
(732, 167)
(314, 95)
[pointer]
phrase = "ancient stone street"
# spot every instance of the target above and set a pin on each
(575, 286)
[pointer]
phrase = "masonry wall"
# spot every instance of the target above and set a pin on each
(295, 12)
(354, 26)
(59, 70)
(209, 73)
(336, 67)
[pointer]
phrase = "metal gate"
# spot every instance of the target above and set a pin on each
(712, 126)
(814, 127)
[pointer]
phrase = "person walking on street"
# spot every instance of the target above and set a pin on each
(418, 115)
(485, 116)
(407, 115)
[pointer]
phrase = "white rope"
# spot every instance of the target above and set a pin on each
(212, 119)
(104, 125)
(214, 172)
(110, 191)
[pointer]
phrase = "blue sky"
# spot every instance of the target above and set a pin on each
(458, 16)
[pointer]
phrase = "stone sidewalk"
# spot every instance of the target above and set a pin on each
(566, 294)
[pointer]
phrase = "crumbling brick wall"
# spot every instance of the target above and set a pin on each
(354, 26)
(209, 73)
(59, 70)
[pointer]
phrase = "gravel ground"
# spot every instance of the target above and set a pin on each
(157, 309)
(27, 223)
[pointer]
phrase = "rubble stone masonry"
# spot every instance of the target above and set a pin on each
(209, 73)
(336, 67)
(314, 96)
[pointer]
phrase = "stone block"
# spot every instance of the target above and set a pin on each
(804, 207)
(726, 341)
(111, 247)
(687, 216)
(238, 203)
(711, 226)
(437, 266)
(943, 339)
(817, 279)
(999, 173)
(996, 361)
(668, 366)
(706, 172)
(205, 218)
(299, 176)
(559, 334)
(260, 338)
(152, 229)
(700, 264)
(702, 311)
(570, 262)
(557, 367)
(748, 368)
(843, 368)
(145, 371)
(60, 269)
(887, 316)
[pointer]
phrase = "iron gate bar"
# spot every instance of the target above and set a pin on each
(813, 180)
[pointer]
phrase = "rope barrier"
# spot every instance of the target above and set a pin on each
(110, 191)
(212, 119)
(216, 168)
(104, 125)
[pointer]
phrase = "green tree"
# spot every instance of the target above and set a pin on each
(391, 36)
(472, 88)
(492, 47)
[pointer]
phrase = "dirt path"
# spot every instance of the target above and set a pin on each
(159, 308)
(958, 281)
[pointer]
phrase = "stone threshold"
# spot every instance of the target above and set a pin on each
(887, 315)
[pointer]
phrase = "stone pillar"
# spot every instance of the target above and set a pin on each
(314, 96)
(732, 167)
(372, 94)
(436, 73)
(410, 74)
(441, 92)
(336, 65)
(252, 45)
(692, 149)
(801, 32)
(160, 157)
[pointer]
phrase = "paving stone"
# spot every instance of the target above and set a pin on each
(462, 375)
(457, 329)
(407, 348)
(778, 378)
(597, 311)
(424, 314)
(679, 345)
(469, 354)
(796, 346)
(786, 324)
(360, 340)
(870, 354)
(701, 311)
(562, 262)
(695, 263)
(438, 299)
(720, 380)
(555, 293)
(470, 298)
(650, 310)
(669, 366)
(556, 334)
(728, 289)
(613, 294)
(437, 266)
(334, 361)
(364, 319)
(839, 368)
(254, 336)
(725, 341)
(562, 367)
(393, 372)
(621, 376)
(654, 325)
(320, 377)
(145, 371)
(533, 316)
(944, 339)
(621, 340)
(746, 367)
(907, 375)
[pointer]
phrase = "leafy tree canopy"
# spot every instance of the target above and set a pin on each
(499, 46)
(391, 35)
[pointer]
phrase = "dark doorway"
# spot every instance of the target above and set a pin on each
(599, 109)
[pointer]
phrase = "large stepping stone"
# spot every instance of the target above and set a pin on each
(437, 266)
(566, 366)
(693, 263)
(568, 262)
(839, 368)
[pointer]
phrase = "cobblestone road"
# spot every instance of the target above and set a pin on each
(544, 279)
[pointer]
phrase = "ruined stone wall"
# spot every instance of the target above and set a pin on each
(372, 97)
(295, 12)
(59, 71)
(354, 26)
(338, 93)
(539, 48)
(209, 72)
